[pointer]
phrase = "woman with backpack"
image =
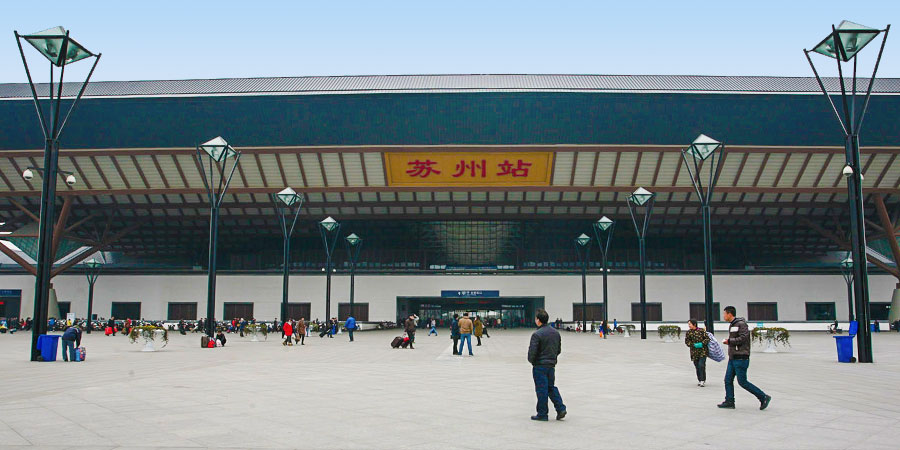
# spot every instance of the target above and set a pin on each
(698, 341)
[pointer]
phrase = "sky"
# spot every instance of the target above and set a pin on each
(163, 39)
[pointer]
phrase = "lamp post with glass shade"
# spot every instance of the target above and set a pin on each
(706, 154)
(60, 50)
(354, 245)
(92, 270)
(582, 249)
(284, 201)
(847, 271)
(843, 44)
(216, 178)
(642, 198)
(329, 229)
(604, 226)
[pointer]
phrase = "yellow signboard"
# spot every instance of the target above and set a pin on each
(469, 168)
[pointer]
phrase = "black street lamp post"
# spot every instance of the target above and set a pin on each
(354, 245)
(583, 250)
(843, 44)
(604, 226)
(642, 197)
(702, 149)
(216, 179)
(329, 229)
(93, 272)
(61, 50)
(847, 271)
(283, 202)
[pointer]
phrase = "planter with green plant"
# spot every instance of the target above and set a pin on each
(669, 332)
(149, 334)
(255, 329)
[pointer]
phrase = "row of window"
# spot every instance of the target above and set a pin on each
(231, 310)
(756, 311)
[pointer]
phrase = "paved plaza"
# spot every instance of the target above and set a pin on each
(620, 393)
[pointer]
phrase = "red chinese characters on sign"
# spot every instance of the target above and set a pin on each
(519, 170)
(422, 168)
(472, 167)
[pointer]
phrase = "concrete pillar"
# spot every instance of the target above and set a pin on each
(895, 306)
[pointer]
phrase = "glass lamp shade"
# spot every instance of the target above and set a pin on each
(703, 146)
(847, 263)
(93, 263)
(604, 223)
(641, 196)
(328, 224)
(852, 37)
(218, 149)
(50, 42)
(289, 197)
(583, 240)
(353, 239)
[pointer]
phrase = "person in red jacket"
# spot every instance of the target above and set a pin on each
(288, 333)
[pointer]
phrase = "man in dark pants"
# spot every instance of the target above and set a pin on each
(545, 346)
(71, 340)
(454, 333)
(350, 325)
(738, 343)
(410, 328)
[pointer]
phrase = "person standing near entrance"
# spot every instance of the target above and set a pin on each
(410, 328)
(433, 324)
(545, 347)
(350, 325)
(479, 329)
(454, 332)
(465, 333)
(698, 341)
(738, 343)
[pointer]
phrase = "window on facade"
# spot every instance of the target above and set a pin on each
(654, 312)
(880, 310)
(297, 311)
(762, 311)
(64, 309)
(360, 311)
(698, 311)
(238, 311)
(820, 311)
(126, 310)
(594, 312)
(182, 311)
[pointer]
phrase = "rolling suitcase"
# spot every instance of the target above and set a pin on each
(396, 342)
(204, 342)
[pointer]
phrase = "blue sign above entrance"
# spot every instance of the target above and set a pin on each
(469, 294)
(10, 292)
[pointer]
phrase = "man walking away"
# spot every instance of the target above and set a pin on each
(465, 333)
(71, 340)
(301, 331)
(738, 343)
(454, 332)
(479, 329)
(545, 346)
(410, 328)
(433, 329)
(698, 341)
(350, 324)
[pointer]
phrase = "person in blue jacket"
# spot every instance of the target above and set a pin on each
(71, 340)
(350, 324)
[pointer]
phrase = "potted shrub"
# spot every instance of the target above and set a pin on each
(772, 337)
(669, 332)
(625, 329)
(150, 334)
(255, 329)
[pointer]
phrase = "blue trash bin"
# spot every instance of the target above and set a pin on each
(844, 348)
(48, 344)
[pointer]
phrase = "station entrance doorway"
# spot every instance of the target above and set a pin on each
(505, 312)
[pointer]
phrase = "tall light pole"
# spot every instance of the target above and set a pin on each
(216, 178)
(354, 245)
(283, 202)
(582, 249)
(847, 271)
(93, 272)
(329, 229)
(604, 226)
(843, 44)
(60, 50)
(642, 197)
(704, 149)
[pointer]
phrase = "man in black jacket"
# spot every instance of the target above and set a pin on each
(454, 333)
(542, 352)
(738, 343)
